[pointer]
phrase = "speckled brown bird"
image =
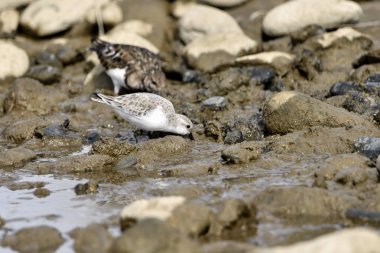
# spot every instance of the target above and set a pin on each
(134, 68)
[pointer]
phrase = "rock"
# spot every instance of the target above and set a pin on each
(301, 203)
(295, 15)
(348, 33)
(191, 219)
(41, 192)
(215, 130)
(34, 240)
(134, 26)
(245, 129)
(46, 58)
(68, 55)
(110, 146)
(45, 74)
(234, 217)
(371, 57)
(242, 153)
(192, 23)
(372, 83)
(368, 146)
(23, 130)
(360, 216)
(110, 14)
(352, 240)
(342, 88)
(262, 75)
(8, 23)
(274, 58)
(25, 185)
(47, 17)
(126, 166)
(14, 60)
(82, 163)
(93, 238)
(355, 176)
(361, 103)
(215, 49)
(152, 235)
(307, 32)
(16, 156)
(8, 4)
(30, 95)
(154, 150)
(309, 65)
(290, 111)
(214, 103)
(87, 188)
(224, 3)
(158, 208)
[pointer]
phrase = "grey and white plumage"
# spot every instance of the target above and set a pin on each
(134, 68)
(148, 112)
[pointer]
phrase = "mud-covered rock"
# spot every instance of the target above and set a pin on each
(23, 130)
(110, 146)
(214, 130)
(93, 238)
(158, 208)
(371, 57)
(234, 217)
(25, 185)
(191, 219)
(368, 146)
(126, 166)
(308, 64)
(16, 156)
(89, 187)
(242, 152)
(159, 148)
(355, 176)
(305, 33)
(30, 95)
(243, 129)
(14, 60)
(290, 111)
(292, 16)
(351, 240)
(41, 192)
(361, 103)
(34, 240)
(302, 203)
(152, 235)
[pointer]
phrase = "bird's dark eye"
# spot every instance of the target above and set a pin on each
(188, 126)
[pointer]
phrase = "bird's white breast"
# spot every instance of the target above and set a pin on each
(155, 120)
(118, 76)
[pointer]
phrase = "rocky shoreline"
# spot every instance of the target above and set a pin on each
(283, 156)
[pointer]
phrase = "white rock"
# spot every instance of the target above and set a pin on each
(328, 39)
(14, 61)
(200, 20)
(159, 208)
(179, 8)
(134, 26)
(110, 13)
(232, 44)
(273, 57)
(8, 4)
(46, 17)
(223, 3)
(354, 240)
(297, 14)
(9, 20)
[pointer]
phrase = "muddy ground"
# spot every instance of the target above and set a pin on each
(68, 162)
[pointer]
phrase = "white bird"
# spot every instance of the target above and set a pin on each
(147, 111)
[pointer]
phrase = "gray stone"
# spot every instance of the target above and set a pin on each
(214, 103)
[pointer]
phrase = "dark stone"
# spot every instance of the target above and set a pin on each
(48, 59)
(358, 102)
(233, 136)
(262, 75)
(34, 240)
(68, 55)
(41, 192)
(363, 217)
(302, 35)
(308, 64)
(45, 73)
(368, 146)
(371, 57)
(342, 88)
(87, 188)
(192, 76)
(372, 83)
(92, 137)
